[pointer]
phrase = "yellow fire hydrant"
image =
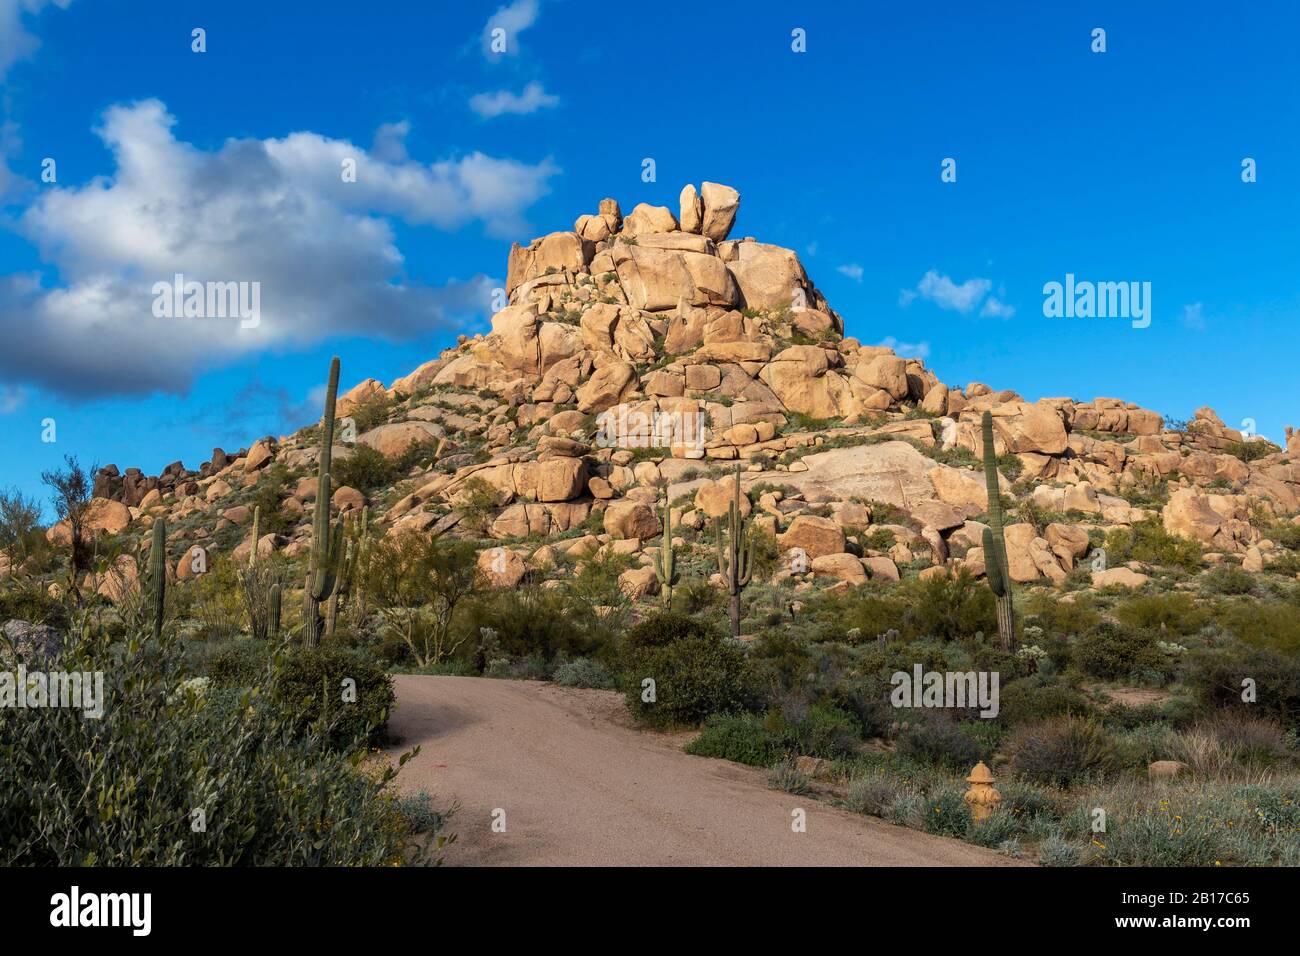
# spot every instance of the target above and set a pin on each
(982, 797)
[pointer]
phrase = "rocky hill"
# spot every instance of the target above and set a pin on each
(654, 350)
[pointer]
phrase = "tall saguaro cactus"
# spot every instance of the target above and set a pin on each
(158, 574)
(666, 560)
(995, 546)
(736, 559)
(325, 540)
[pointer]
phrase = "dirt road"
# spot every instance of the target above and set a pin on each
(579, 787)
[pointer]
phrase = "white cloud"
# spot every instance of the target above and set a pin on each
(514, 19)
(16, 43)
(532, 99)
(947, 294)
(919, 350)
(997, 309)
(852, 270)
(276, 212)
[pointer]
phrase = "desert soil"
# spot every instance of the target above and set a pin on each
(579, 786)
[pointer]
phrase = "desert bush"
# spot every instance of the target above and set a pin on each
(1061, 751)
(343, 690)
(31, 602)
(1228, 579)
(1058, 851)
(1172, 613)
(1233, 741)
(663, 628)
(1113, 652)
(784, 776)
(1216, 676)
(872, 794)
(216, 598)
(1060, 618)
(694, 677)
(529, 620)
(584, 672)
(827, 731)
(939, 742)
(1031, 699)
(272, 792)
(945, 813)
(416, 584)
(744, 738)
(366, 469)
(947, 607)
(1148, 541)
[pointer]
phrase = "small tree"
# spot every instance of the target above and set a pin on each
(72, 489)
(416, 584)
(20, 516)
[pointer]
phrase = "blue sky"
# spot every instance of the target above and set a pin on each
(1115, 166)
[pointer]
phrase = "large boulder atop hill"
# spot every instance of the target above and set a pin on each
(813, 535)
(720, 204)
(657, 279)
(103, 515)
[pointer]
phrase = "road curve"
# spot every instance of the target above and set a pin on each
(580, 787)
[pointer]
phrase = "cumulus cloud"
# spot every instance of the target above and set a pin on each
(852, 270)
(532, 99)
(946, 294)
(276, 212)
(513, 19)
(962, 297)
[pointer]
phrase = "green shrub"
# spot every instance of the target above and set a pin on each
(939, 742)
(1061, 752)
(745, 738)
(1173, 613)
(694, 678)
(1148, 541)
(33, 603)
(1216, 677)
(1058, 851)
(664, 628)
(827, 731)
(1229, 579)
(946, 814)
(271, 792)
(1031, 699)
(1113, 652)
(344, 690)
(530, 620)
(366, 469)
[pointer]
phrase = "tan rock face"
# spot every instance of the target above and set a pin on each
(631, 519)
(609, 386)
(769, 277)
(359, 394)
(104, 515)
(882, 568)
(842, 567)
(803, 381)
(260, 455)
(692, 209)
(644, 219)
(1119, 577)
(720, 206)
(638, 583)
(501, 567)
(557, 252)
(813, 535)
(659, 279)
(1218, 521)
(394, 440)
(887, 372)
(714, 498)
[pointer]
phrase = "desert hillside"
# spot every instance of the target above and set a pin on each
(655, 351)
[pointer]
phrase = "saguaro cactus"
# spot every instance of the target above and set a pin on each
(257, 527)
(158, 574)
(666, 560)
(736, 559)
(273, 614)
(325, 540)
(995, 547)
